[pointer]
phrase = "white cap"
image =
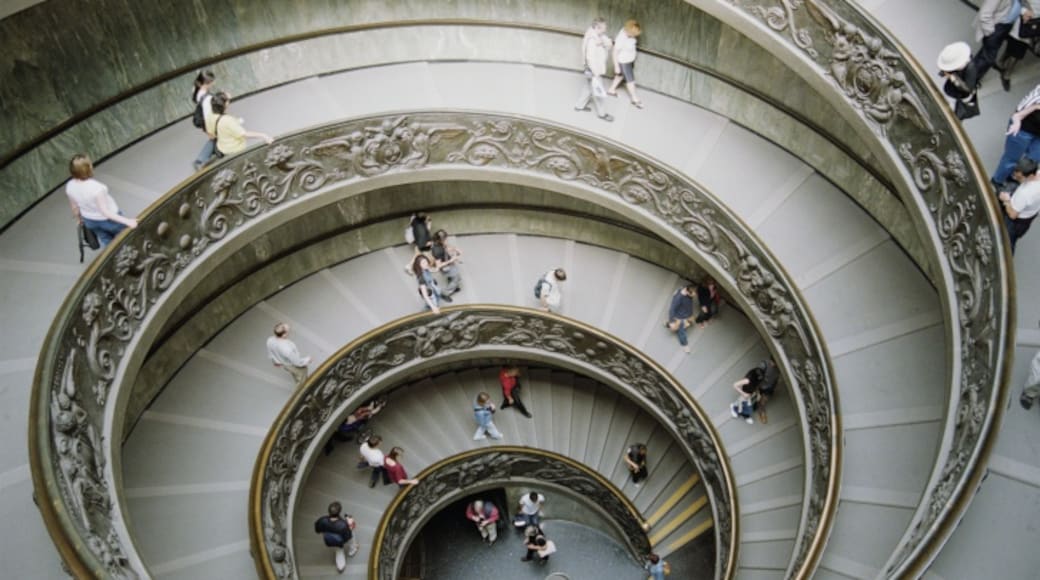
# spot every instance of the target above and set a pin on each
(954, 57)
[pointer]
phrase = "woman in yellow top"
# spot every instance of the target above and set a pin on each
(231, 135)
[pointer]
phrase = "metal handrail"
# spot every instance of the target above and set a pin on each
(90, 353)
(383, 357)
(938, 173)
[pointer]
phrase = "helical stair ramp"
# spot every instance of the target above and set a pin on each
(909, 444)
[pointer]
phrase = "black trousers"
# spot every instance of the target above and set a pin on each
(1017, 228)
(516, 400)
(991, 43)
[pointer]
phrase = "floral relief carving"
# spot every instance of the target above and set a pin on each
(456, 479)
(119, 296)
(456, 331)
(867, 66)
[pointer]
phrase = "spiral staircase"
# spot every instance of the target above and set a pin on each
(186, 464)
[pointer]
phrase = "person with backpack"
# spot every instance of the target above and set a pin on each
(338, 532)
(202, 99)
(229, 132)
(485, 516)
(747, 388)
(547, 289)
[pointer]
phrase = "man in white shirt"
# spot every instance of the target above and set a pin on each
(1022, 206)
(284, 354)
(374, 458)
(595, 47)
(1031, 391)
(531, 508)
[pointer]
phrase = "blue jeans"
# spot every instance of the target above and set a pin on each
(206, 154)
(681, 332)
(1015, 146)
(105, 230)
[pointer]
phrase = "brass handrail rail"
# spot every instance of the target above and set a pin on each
(379, 359)
(125, 294)
(940, 176)
(571, 474)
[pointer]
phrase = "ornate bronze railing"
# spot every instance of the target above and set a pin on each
(105, 327)
(460, 475)
(382, 358)
(879, 83)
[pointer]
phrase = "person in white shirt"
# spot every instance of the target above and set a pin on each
(625, 60)
(1031, 390)
(531, 509)
(374, 458)
(284, 354)
(594, 48)
(549, 293)
(1021, 207)
(91, 203)
(202, 98)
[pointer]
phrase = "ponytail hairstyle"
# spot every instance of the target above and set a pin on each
(205, 77)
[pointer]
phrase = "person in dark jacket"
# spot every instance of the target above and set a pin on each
(770, 378)
(338, 532)
(509, 378)
(680, 314)
(708, 300)
(961, 77)
(635, 460)
(748, 390)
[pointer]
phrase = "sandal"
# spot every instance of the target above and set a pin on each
(612, 93)
(637, 104)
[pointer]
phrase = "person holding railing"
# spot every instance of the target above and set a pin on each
(91, 203)
(230, 133)
(1022, 206)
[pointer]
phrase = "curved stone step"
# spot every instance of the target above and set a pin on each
(780, 190)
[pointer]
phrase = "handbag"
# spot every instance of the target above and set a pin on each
(967, 108)
(216, 135)
(1029, 28)
(87, 239)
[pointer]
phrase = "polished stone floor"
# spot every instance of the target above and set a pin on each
(455, 551)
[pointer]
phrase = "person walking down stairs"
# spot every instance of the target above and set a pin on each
(509, 378)
(372, 457)
(747, 388)
(635, 460)
(338, 533)
(447, 259)
(484, 413)
(285, 355)
(547, 289)
(680, 314)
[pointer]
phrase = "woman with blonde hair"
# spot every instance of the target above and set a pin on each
(91, 203)
(625, 60)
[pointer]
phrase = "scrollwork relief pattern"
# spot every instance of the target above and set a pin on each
(115, 300)
(456, 478)
(352, 372)
(866, 65)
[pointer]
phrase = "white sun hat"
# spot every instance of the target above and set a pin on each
(954, 57)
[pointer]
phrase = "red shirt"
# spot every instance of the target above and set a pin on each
(508, 382)
(396, 472)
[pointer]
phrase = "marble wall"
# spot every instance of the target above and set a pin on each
(64, 58)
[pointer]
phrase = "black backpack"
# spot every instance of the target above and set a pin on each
(198, 118)
(538, 287)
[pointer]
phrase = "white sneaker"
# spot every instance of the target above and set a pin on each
(341, 561)
(733, 411)
(354, 549)
(480, 438)
(749, 421)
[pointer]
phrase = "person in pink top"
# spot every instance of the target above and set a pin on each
(485, 515)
